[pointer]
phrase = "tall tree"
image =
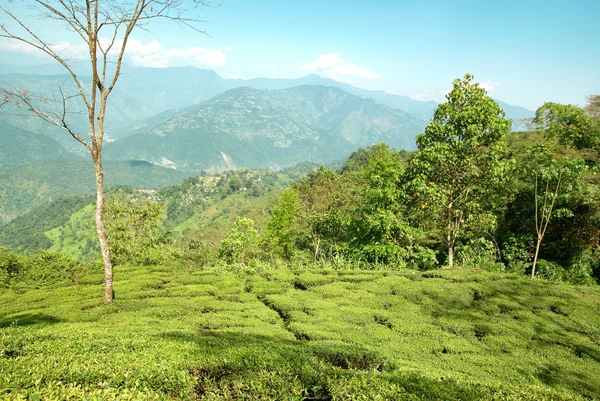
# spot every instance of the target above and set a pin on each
(104, 27)
(461, 163)
(569, 124)
(593, 107)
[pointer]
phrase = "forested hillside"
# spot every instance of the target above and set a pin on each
(253, 128)
(36, 183)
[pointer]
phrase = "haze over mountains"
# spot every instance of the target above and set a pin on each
(144, 93)
(249, 127)
(190, 119)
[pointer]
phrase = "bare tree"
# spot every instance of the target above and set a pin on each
(105, 26)
(544, 214)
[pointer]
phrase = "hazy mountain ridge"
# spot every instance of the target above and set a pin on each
(36, 183)
(268, 128)
(275, 131)
(161, 89)
(19, 146)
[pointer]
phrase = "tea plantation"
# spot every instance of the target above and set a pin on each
(277, 334)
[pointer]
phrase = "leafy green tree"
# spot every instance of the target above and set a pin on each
(135, 230)
(379, 231)
(240, 242)
(324, 197)
(282, 228)
(569, 124)
(556, 204)
(461, 165)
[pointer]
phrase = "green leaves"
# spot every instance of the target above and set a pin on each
(240, 242)
(135, 230)
(462, 161)
(569, 124)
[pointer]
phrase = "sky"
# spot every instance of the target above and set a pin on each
(523, 52)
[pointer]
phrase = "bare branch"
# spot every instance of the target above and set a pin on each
(24, 100)
(42, 45)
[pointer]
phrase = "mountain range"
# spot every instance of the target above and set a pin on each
(144, 92)
(249, 127)
(190, 119)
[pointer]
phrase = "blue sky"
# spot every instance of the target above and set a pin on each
(524, 52)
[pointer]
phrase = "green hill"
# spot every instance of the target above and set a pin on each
(40, 182)
(27, 232)
(252, 128)
(274, 334)
(201, 208)
(18, 146)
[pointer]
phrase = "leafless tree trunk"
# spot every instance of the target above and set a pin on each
(105, 27)
(542, 218)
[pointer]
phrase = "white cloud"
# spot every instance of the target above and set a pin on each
(63, 49)
(236, 76)
(335, 67)
(428, 95)
(440, 96)
(151, 54)
(489, 85)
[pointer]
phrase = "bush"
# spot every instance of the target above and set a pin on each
(516, 253)
(11, 265)
(241, 243)
(578, 273)
(423, 258)
(47, 267)
(479, 253)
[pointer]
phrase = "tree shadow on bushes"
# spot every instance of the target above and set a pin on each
(28, 319)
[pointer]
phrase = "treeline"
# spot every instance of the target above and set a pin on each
(474, 195)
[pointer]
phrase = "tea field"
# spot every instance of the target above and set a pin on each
(280, 334)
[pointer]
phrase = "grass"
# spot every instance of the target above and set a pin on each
(301, 335)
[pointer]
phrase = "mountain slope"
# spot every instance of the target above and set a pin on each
(18, 146)
(421, 109)
(125, 107)
(247, 127)
(418, 108)
(148, 91)
(39, 182)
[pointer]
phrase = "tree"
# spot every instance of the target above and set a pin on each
(135, 229)
(240, 242)
(461, 164)
(593, 107)
(282, 228)
(554, 182)
(379, 232)
(104, 26)
(569, 124)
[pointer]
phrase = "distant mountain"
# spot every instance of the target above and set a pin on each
(423, 110)
(248, 127)
(18, 146)
(154, 90)
(125, 108)
(39, 182)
